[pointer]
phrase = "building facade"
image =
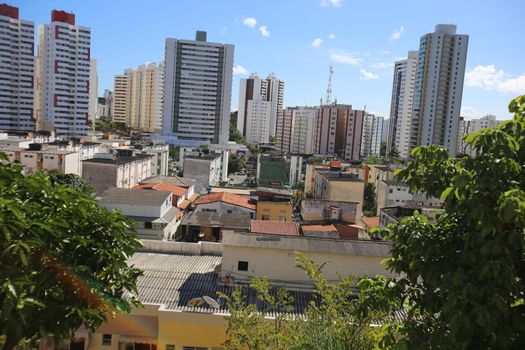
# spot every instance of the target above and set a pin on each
(197, 91)
(16, 71)
(473, 125)
(401, 104)
(63, 75)
(439, 88)
(283, 132)
(120, 99)
(372, 134)
(302, 130)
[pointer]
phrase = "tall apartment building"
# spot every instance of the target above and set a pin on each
(63, 75)
(438, 88)
(260, 102)
(302, 130)
(105, 105)
(338, 131)
(197, 91)
(120, 99)
(16, 70)
(371, 136)
(93, 90)
(402, 104)
(283, 129)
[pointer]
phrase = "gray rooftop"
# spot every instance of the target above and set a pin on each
(332, 175)
(139, 197)
(208, 219)
(173, 180)
(119, 159)
(308, 244)
(395, 183)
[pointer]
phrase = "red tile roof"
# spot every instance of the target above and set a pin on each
(162, 186)
(184, 204)
(230, 198)
(193, 197)
(319, 228)
(370, 221)
(284, 228)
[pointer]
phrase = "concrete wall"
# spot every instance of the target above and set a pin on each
(319, 210)
(100, 176)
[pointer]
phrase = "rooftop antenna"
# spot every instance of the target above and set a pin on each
(329, 88)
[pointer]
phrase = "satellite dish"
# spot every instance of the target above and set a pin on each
(195, 302)
(212, 302)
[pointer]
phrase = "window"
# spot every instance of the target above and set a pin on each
(170, 347)
(242, 265)
(207, 210)
(266, 217)
(282, 218)
(106, 339)
(229, 211)
(148, 225)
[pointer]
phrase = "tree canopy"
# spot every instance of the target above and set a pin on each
(461, 278)
(63, 259)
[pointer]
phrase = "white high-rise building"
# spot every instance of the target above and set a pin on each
(197, 91)
(93, 90)
(63, 75)
(371, 136)
(302, 133)
(439, 88)
(402, 104)
(473, 125)
(16, 71)
(268, 92)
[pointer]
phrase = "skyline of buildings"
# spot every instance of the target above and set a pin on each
(191, 106)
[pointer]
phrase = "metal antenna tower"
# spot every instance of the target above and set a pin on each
(329, 88)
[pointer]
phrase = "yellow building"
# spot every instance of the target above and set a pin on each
(273, 204)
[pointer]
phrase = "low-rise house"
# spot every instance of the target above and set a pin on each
(274, 204)
(341, 186)
(152, 211)
(122, 169)
(225, 203)
(206, 169)
(41, 157)
(184, 182)
(286, 228)
(209, 226)
(318, 210)
(392, 215)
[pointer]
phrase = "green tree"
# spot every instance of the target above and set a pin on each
(104, 124)
(382, 149)
(236, 164)
(374, 160)
(369, 200)
(72, 180)
(393, 154)
(461, 279)
(332, 320)
(63, 259)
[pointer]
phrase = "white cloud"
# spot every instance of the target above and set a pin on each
(489, 78)
(396, 34)
(264, 31)
(366, 75)
(331, 36)
(346, 58)
(334, 3)
(470, 112)
(316, 43)
(250, 22)
(238, 69)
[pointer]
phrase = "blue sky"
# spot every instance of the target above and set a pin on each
(298, 39)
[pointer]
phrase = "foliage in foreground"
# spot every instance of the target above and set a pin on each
(63, 259)
(333, 320)
(463, 277)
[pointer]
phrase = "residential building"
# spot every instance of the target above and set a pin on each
(283, 132)
(226, 203)
(391, 192)
(41, 157)
(319, 210)
(302, 130)
(16, 71)
(93, 91)
(371, 136)
(338, 131)
(142, 99)
(273, 171)
(63, 75)
(343, 186)
(260, 101)
(160, 153)
(439, 88)
(273, 204)
(473, 125)
(120, 99)
(153, 211)
(197, 91)
(174, 180)
(402, 104)
(122, 169)
(207, 169)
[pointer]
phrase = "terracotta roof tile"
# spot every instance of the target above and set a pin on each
(230, 198)
(285, 228)
(184, 204)
(319, 228)
(370, 221)
(162, 186)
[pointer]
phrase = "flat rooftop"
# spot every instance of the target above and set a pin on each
(128, 196)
